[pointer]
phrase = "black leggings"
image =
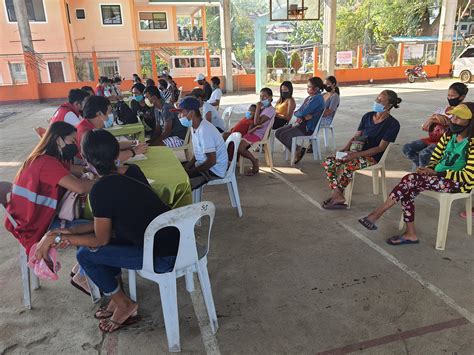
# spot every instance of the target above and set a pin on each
(279, 122)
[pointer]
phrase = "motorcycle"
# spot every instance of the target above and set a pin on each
(416, 73)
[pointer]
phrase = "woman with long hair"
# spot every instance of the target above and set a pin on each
(285, 106)
(331, 100)
(450, 170)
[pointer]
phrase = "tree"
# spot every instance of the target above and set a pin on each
(269, 60)
(279, 59)
(295, 61)
(306, 32)
(391, 55)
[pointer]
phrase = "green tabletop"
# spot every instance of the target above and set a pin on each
(166, 176)
(132, 131)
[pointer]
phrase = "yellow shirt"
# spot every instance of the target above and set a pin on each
(282, 108)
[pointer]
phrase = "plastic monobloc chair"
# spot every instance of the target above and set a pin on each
(226, 116)
(265, 144)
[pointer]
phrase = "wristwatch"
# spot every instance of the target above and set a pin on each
(58, 239)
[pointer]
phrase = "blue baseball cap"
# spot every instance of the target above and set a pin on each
(189, 103)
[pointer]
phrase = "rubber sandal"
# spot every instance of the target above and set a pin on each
(80, 288)
(371, 226)
(325, 202)
(251, 172)
(301, 155)
(335, 206)
(400, 240)
(107, 314)
(128, 322)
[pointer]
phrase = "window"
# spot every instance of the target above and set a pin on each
(463, 27)
(215, 62)
(153, 21)
(17, 72)
(181, 63)
(111, 14)
(34, 8)
(108, 68)
(56, 72)
(80, 14)
(198, 62)
(468, 53)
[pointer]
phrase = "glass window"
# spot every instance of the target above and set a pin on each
(181, 63)
(108, 68)
(111, 14)
(468, 53)
(80, 14)
(463, 27)
(198, 62)
(215, 62)
(18, 72)
(34, 8)
(153, 21)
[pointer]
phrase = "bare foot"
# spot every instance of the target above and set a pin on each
(105, 311)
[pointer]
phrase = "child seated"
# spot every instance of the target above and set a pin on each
(244, 124)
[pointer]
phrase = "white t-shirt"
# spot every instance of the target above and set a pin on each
(71, 118)
(216, 95)
(207, 139)
(216, 118)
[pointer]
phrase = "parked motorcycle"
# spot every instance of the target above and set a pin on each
(416, 73)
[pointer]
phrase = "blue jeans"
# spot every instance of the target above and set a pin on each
(419, 152)
(103, 264)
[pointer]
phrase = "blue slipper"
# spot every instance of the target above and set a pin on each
(368, 224)
(400, 240)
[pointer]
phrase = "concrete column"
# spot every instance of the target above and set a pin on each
(23, 24)
(95, 65)
(445, 36)
(360, 57)
(208, 64)
(226, 45)
(329, 36)
(401, 50)
(154, 70)
(260, 53)
(315, 61)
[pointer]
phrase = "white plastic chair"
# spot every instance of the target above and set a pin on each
(226, 116)
(268, 149)
(28, 278)
(187, 263)
(445, 201)
(380, 166)
(229, 178)
(313, 139)
(328, 127)
(187, 146)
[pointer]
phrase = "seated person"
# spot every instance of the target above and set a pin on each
(209, 112)
(40, 185)
(244, 124)
(331, 101)
(149, 82)
(216, 95)
(169, 131)
(141, 109)
(264, 116)
(165, 91)
(101, 85)
(377, 129)
(210, 154)
(449, 171)
(116, 84)
(89, 90)
(308, 116)
(70, 112)
(123, 205)
(419, 151)
(285, 106)
(98, 114)
(109, 91)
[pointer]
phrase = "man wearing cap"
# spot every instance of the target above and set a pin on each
(210, 154)
(451, 170)
(201, 80)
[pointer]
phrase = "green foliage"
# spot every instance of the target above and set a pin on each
(391, 55)
(306, 32)
(279, 59)
(269, 60)
(295, 61)
(246, 55)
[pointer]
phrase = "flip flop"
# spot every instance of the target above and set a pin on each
(80, 288)
(371, 226)
(105, 313)
(400, 240)
(325, 202)
(301, 155)
(251, 172)
(335, 206)
(128, 322)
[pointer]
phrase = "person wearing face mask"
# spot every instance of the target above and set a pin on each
(244, 124)
(209, 112)
(331, 100)
(263, 118)
(141, 109)
(201, 80)
(377, 129)
(285, 106)
(449, 171)
(101, 86)
(420, 150)
(165, 90)
(41, 182)
(308, 116)
(210, 155)
(70, 111)
(216, 95)
(117, 82)
(97, 115)
(169, 131)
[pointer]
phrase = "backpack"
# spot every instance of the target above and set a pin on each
(125, 114)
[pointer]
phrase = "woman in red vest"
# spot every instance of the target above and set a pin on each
(70, 111)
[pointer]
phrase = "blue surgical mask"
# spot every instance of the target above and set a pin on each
(248, 115)
(265, 102)
(110, 121)
(138, 98)
(185, 122)
(378, 107)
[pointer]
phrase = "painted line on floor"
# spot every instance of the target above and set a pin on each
(298, 190)
(413, 274)
(412, 333)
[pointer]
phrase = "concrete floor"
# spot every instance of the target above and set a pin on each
(287, 277)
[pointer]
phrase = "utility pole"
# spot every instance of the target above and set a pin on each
(23, 25)
(226, 44)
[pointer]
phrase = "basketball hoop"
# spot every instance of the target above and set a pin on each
(294, 10)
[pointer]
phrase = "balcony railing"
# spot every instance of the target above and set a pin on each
(186, 33)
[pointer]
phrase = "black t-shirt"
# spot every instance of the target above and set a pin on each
(386, 130)
(144, 112)
(208, 90)
(131, 204)
(168, 114)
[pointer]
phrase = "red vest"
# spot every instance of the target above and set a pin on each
(62, 111)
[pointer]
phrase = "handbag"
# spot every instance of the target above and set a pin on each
(72, 204)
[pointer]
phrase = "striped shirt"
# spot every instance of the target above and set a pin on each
(465, 175)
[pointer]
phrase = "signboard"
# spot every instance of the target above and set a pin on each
(344, 57)
(413, 51)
